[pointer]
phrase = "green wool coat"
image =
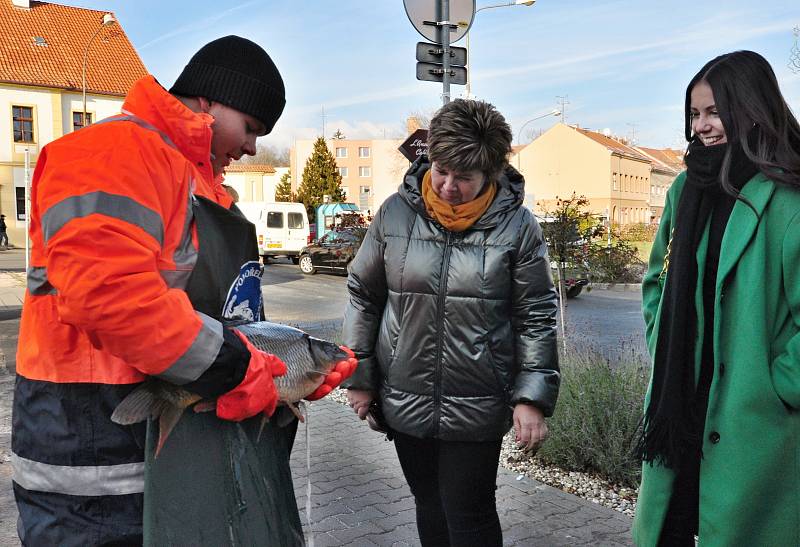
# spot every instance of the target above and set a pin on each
(750, 472)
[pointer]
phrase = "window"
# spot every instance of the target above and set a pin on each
(20, 194)
(274, 220)
(341, 152)
(343, 172)
(295, 221)
(364, 171)
(23, 123)
(77, 120)
(363, 151)
(614, 180)
(364, 189)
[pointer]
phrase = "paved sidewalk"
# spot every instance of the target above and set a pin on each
(359, 496)
(358, 493)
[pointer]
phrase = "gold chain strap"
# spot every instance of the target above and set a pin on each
(663, 273)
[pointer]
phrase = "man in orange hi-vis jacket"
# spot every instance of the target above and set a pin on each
(136, 252)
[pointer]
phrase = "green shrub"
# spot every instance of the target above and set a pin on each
(638, 232)
(619, 263)
(597, 417)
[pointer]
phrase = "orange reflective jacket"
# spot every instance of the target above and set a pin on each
(113, 244)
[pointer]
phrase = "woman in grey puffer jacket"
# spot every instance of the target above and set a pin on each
(452, 315)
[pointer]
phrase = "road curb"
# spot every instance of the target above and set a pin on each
(620, 287)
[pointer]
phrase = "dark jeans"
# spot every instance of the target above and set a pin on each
(453, 485)
(3, 239)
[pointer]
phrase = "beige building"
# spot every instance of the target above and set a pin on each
(666, 164)
(254, 182)
(614, 177)
(41, 84)
(371, 170)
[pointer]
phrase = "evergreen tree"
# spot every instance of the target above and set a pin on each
(320, 178)
(283, 191)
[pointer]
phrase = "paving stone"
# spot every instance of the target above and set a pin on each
(355, 535)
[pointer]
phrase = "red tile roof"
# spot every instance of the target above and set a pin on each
(615, 146)
(250, 168)
(112, 63)
(667, 158)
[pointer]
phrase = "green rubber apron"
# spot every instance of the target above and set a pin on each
(215, 482)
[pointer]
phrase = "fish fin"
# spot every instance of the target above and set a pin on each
(166, 423)
(315, 374)
(140, 404)
(264, 420)
(284, 417)
(296, 411)
(205, 406)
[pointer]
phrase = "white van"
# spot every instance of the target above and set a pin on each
(282, 230)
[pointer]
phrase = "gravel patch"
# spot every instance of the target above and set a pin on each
(589, 487)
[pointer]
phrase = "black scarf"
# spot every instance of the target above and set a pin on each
(671, 427)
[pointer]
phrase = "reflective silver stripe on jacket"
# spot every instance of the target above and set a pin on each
(200, 354)
(38, 285)
(185, 256)
(103, 203)
(84, 480)
(128, 117)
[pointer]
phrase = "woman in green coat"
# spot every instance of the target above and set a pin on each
(721, 299)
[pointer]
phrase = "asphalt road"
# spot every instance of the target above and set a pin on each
(607, 321)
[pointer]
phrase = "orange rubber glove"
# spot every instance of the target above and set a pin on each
(257, 392)
(341, 372)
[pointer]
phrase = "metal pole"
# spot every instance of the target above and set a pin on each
(27, 206)
(85, 55)
(468, 94)
(444, 29)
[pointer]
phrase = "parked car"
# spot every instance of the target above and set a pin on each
(574, 280)
(283, 230)
(332, 252)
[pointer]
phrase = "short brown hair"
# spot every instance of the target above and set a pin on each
(467, 135)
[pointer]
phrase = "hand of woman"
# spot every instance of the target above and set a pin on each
(359, 400)
(530, 427)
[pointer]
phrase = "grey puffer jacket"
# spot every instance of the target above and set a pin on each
(453, 328)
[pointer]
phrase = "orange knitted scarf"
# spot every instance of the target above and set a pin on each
(456, 218)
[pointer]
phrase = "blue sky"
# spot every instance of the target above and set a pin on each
(623, 65)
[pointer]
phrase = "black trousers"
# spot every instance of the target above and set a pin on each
(454, 489)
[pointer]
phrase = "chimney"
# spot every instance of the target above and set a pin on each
(25, 4)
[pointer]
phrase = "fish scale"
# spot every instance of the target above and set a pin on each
(296, 347)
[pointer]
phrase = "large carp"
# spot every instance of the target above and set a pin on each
(308, 360)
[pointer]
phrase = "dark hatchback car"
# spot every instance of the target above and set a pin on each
(332, 252)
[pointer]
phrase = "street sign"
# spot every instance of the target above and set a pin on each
(435, 73)
(433, 53)
(424, 14)
(415, 145)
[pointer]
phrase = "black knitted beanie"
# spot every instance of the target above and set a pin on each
(237, 73)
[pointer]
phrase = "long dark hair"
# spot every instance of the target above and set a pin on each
(754, 114)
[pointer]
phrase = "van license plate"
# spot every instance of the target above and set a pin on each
(274, 245)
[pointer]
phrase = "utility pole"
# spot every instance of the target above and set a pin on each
(562, 100)
(323, 122)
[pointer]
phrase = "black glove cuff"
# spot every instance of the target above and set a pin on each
(226, 372)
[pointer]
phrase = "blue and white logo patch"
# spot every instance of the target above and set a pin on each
(244, 296)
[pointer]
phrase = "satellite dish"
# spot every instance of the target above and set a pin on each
(462, 13)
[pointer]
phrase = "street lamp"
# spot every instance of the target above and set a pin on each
(108, 20)
(554, 112)
(468, 91)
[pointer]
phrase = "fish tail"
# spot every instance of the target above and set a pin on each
(140, 404)
(166, 422)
